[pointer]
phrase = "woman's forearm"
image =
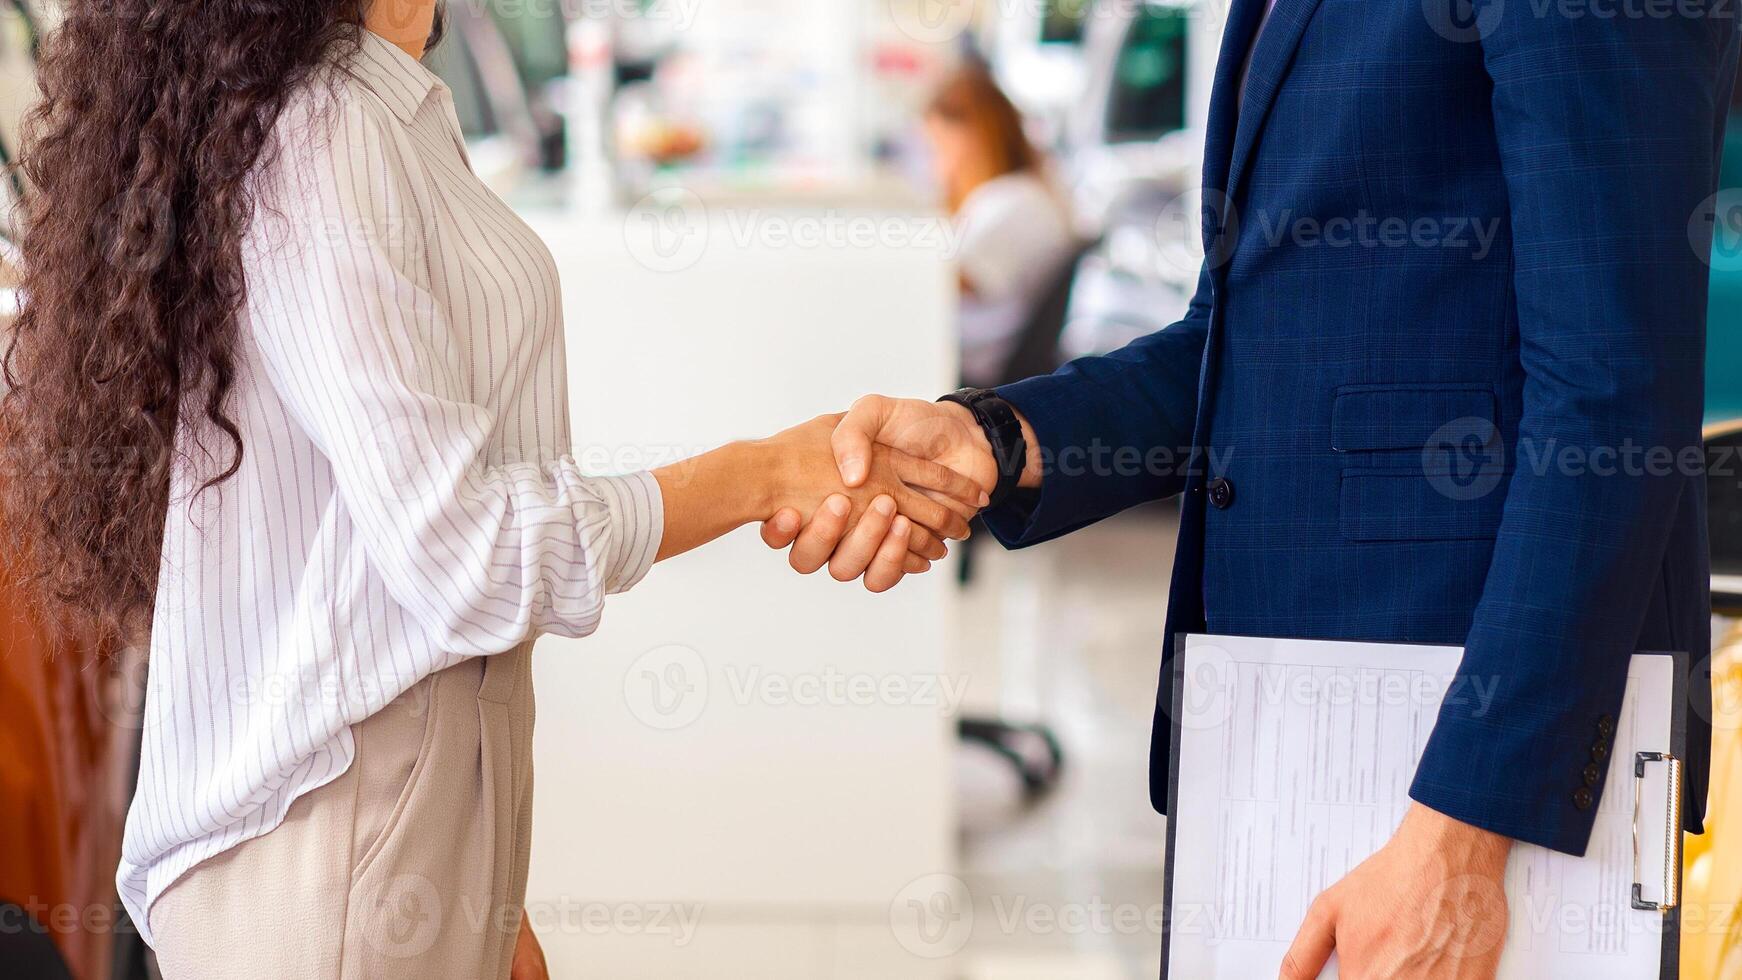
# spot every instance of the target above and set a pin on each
(715, 493)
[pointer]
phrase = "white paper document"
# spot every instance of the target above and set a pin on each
(1294, 764)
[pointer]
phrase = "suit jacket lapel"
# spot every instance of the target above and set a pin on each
(1270, 61)
(1243, 18)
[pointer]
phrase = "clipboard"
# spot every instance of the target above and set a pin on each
(1650, 779)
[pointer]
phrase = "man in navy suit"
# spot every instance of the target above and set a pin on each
(1441, 383)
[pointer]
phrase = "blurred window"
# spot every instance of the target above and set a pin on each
(510, 55)
(1063, 21)
(20, 30)
(1148, 97)
(537, 37)
(454, 62)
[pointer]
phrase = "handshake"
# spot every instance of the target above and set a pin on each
(876, 492)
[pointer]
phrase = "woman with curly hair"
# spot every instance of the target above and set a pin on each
(288, 394)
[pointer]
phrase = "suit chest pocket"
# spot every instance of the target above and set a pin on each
(1420, 462)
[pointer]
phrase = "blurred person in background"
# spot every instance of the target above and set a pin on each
(288, 393)
(1013, 225)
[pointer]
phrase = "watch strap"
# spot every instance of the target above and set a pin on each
(1003, 429)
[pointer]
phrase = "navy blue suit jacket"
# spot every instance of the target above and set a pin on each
(1442, 378)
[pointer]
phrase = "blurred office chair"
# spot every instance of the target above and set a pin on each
(1037, 346)
(27, 949)
(1036, 352)
(1033, 749)
(1712, 944)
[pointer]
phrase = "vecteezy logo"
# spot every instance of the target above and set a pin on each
(932, 21)
(1206, 699)
(1195, 229)
(667, 231)
(408, 911)
(404, 461)
(1715, 230)
(1715, 692)
(124, 691)
(1463, 21)
(1467, 931)
(933, 916)
(1464, 459)
(138, 230)
(667, 687)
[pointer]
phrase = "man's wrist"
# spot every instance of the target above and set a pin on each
(1468, 844)
(1031, 471)
(970, 423)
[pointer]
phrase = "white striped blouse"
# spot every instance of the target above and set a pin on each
(406, 497)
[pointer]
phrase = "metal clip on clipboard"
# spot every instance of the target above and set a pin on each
(1672, 846)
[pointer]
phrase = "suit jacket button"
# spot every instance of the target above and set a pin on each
(1599, 751)
(1582, 798)
(1221, 493)
(1606, 726)
(1592, 774)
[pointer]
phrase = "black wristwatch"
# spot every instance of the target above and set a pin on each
(1003, 430)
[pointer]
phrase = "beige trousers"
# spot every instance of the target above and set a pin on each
(410, 865)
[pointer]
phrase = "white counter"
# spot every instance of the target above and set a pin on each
(740, 748)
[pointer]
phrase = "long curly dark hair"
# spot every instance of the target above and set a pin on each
(153, 114)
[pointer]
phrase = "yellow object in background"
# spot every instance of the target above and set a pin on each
(1712, 891)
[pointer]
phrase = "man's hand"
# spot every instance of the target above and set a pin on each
(528, 955)
(1431, 903)
(888, 525)
(941, 432)
(801, 473)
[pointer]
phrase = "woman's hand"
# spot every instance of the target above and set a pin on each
(791, 480)
(928, 494)
(888, 527)
(528, 955)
